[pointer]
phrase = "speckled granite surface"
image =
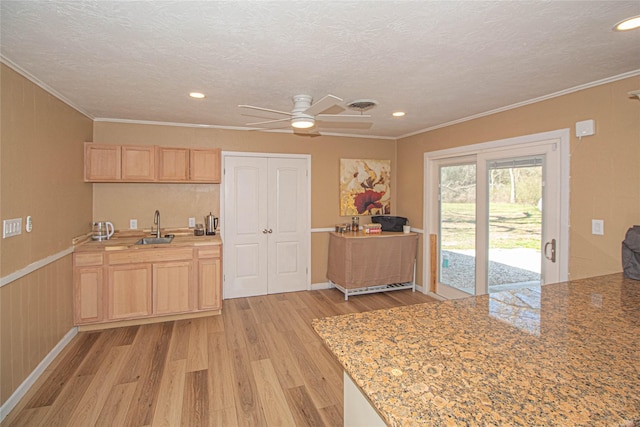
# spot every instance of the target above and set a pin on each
(561, 355)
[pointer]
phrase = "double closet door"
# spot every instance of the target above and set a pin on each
(266, 225)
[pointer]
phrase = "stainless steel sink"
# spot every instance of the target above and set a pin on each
(154, 240)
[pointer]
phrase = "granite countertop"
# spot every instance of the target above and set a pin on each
(560, 355)
(127, 239)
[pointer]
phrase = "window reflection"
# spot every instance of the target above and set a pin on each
(519, 308)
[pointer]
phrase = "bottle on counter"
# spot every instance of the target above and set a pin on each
(355, 223)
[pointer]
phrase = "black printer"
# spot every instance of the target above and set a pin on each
(390, 223)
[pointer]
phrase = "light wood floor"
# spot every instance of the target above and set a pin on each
(258, 364)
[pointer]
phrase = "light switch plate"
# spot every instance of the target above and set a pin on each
(597, 227)
(192, 222)
(133, 224)
(11, 227)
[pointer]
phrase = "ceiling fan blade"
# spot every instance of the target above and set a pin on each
(341, 118)
(268, 121)
(265, 109)
(312, 132)
(323, 105)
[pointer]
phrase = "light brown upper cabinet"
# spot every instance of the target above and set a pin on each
(188, 164)
(138, 163)
(173, 164)
(112, 163)
(129, 163)
(205, 165)
(102, 162)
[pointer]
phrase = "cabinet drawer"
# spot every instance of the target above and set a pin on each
(150, 255)
(212, 252)
(83, 260)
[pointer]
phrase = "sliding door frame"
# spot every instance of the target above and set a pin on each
(431, 225)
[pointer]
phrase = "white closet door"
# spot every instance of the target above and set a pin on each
(288, 225)
(245, 219)
(266, 225)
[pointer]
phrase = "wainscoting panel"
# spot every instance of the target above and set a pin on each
(36, 312)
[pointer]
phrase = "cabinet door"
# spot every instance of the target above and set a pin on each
(209, 284)
(138, 163)
(204, 165)
(173, 164)
(129, 291)
(102, 162)
(172, 287)
(87, 294)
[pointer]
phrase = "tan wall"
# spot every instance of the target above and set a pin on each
(41, 142)
(42, 164)
(177, 202)
(605, 168)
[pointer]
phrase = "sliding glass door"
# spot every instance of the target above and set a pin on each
(458, 224)
(496, 216)
(515, 223)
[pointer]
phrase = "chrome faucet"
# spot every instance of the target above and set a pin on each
(156, 221)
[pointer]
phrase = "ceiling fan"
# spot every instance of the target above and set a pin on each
(305, 114)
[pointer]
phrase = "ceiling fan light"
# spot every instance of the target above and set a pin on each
(302, 123)
(628, 24)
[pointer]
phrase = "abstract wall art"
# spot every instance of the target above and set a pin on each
(365, 187)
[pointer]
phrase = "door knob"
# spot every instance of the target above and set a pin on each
(551, 258)
(265, 231)
(270, 231)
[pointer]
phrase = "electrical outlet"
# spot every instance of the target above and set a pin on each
(133, 224)
(597, 227)
(11, 227)
(192, 222)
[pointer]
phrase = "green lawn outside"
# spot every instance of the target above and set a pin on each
(511, 226)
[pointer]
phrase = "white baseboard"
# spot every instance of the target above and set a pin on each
(323, 285)
(13, 400)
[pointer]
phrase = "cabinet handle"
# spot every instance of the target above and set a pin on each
(265, 231)
(270, 231)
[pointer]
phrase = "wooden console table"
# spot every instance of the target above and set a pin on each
(364, 263)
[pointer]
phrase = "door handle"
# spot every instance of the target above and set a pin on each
(553, 250)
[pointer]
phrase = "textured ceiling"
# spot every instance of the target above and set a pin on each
(440, 61)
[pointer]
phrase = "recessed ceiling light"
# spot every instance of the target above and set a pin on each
(628, 24)
(398, 114)
(196, 95)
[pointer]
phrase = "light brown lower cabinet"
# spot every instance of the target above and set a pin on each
(144, 283)
(88, 278)
(88, 294)
(209, 278)
(173, 287)
(129, 291)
